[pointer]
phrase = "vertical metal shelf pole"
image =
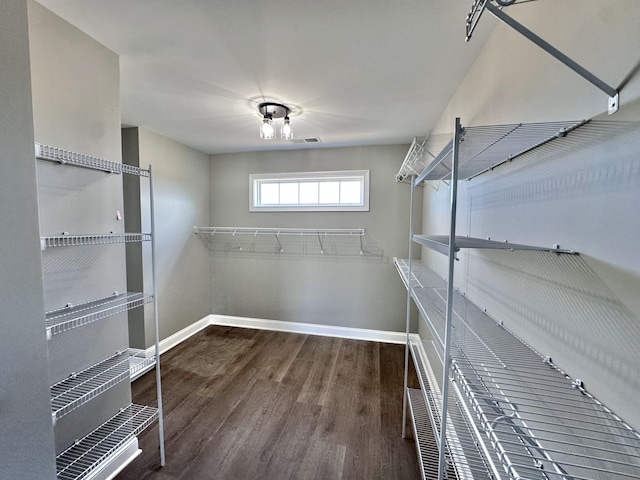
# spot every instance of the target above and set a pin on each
(447, 336)
(408, 319)
(155, 318)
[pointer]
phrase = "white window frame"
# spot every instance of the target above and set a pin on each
(256, 179)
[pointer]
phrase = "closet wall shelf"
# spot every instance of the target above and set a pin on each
(81, 387)
(427, 287)
(402, 266)
(73, 316)
(66, 240)
(303, 241)
(463, 448)
(65, 157)
(301, 232)
(525, 411)
(96, 449)
(440, 243)
(464, 455)
(425, 441)
(484, 148)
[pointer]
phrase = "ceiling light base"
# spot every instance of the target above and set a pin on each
(273, 110)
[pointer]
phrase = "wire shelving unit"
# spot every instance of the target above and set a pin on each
(80, 388)
(440, 243)
(73, 316)
(302, 241)
(66, 240)
(463, 455)
(527, 412)
(483, 148)
(65, 157)
(100, 448)
(89, 453)
(501, 410)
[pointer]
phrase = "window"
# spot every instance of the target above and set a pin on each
(345, 191)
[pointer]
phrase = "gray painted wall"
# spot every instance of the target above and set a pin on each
(350, 291)
(181, 192)
(26, 434)
(137, 219)
(582, 311)
(76, 106)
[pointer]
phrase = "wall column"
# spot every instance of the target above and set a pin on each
(26, 433)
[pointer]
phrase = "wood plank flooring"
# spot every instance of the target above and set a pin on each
(254, 404)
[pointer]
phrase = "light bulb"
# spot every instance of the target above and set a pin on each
(267, 130)
(287, 131)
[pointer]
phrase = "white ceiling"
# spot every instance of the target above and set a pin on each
(355, 72)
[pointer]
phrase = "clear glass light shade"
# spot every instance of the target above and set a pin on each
(267, 130)
(287, 131)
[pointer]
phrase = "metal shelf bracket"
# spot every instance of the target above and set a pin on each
(474, 16)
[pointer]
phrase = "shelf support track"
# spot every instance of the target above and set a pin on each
(442, 462)
(614, 95)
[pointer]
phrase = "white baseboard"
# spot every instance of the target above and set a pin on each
(310, 329)
(180, 336)
(175, 339)
(280, 326)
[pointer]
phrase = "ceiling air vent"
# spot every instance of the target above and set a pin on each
(306, 140)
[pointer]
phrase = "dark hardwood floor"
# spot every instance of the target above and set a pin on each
(254, 404)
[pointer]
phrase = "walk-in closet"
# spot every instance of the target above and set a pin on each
(319, 240)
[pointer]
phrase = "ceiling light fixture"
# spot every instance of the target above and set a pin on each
(267, 130)
(269, 111)
(287, 131)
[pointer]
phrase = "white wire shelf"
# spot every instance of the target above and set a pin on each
(425, 285)
(537, 421)
(465, 459)
(303, 241)
(73, 316)
(139, 362)
(65, 157)
(440, 243)
(92, 451)
(462, 446)
(282, 231)
(66, 240)
(484, 148)
(415, 161)
(82, 387)
(424, 437)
